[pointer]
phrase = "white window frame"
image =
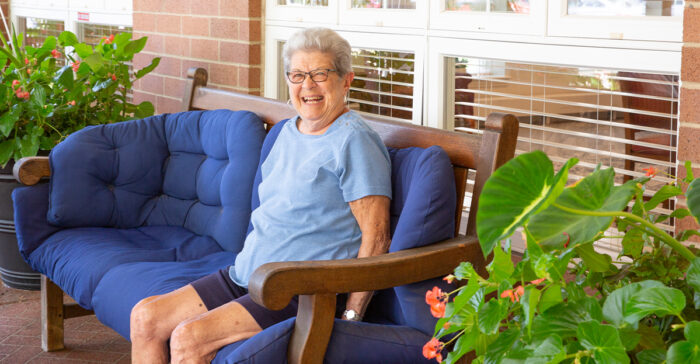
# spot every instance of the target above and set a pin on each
(302, 13)
(379, 17)
(490, 22)
(117, 12)
(648, 28)
(403, 43)
(438, 91)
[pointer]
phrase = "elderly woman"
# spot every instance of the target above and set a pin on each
(324, 195)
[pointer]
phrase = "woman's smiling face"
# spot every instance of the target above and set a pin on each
(318, 103)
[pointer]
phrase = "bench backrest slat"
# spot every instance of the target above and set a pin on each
(465, 150)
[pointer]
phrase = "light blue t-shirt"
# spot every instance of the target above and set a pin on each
(307, 182)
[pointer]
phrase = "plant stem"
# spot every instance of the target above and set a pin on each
(668, 239)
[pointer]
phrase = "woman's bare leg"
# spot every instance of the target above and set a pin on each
(197, 339)
(153, 320)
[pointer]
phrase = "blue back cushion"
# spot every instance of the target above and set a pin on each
(193, 169)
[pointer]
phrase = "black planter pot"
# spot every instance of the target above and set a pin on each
(14, 271)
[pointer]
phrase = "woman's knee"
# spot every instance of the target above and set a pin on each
(145, 317)
(187, 339)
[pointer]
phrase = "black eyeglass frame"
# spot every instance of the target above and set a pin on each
(311, 74)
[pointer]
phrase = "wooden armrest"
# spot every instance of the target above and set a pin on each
(274, 284)
(30, 170)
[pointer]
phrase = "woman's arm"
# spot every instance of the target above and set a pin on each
(372, 215)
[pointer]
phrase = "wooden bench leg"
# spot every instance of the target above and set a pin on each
(51, 315)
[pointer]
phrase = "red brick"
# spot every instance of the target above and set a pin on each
(146, 5)
(691, 25)
(249, 77)
(195, 25)
(24, 354)
(177, 46)
(204, 49)
(223, 75)
(169, 66)
(690, 64)
(152, 83)
(174, 87)
(240, 53)
(142, 60)
(168, 105)
(176, 6)
(249, 30)
(169, 24)
(240, 8)
(224, 28)
(153, 44)
(686, 224)
(690, 106)
(144, 22)
(689, 144)
(204, 7)
(187, 64)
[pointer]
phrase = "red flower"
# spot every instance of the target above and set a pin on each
(446, 325)
(15, 83)
(432, 350)
(514, 295)
(651, 171)
(537, 281)
(568, 239)
(508, 293)
(71, 103)
(55, 53)
(21, 94)
(75, 66)
(114, 77)
(26, 61)
(436, 299)
(108, 40)
(438, 310)
(29, 71)
(449, 279)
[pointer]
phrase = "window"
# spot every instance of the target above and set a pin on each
(312, 11)
(383, 13)
(91, 33)
(36, 30)
(494, 16)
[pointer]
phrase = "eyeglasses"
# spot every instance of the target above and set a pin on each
(318, 75)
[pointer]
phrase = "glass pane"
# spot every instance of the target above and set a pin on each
(303, 2)
(384, 4)
(383, 83)
(625, 7)
(495, 6)
(92, 33)
(36, 30)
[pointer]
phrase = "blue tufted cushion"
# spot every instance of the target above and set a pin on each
(192, 169)
(30, 206)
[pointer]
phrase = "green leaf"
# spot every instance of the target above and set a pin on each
(551, 297)
(680, 213)
(135, 46)
(663, 194)
(29, 145)
(513, 193)
(615, 305)
(693, 274)
(630, 338)
(8, 120)
(594, 193)
(686, 351)
(501, 267)
(693, 198)
(529, 301)
(463, 345)
(64, 77)
(121, 39)
(146, 70)
(95, 62)
(502, 345)
(145, 109)
(563, 319)
(595, 261)
(7, 148)
(650, 338)
(633, 242)
(67, 39)
(83, 50)
(660, 301)
(603, 341)
(490, 315)
(688, 172)
(549, 351)
(652, 356)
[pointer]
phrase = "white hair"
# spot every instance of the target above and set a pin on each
(320, 39)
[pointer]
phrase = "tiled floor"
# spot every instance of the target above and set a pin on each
(86, 339)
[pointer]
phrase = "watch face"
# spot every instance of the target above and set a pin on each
(351, 314)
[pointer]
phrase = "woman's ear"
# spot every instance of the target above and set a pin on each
(347, 80)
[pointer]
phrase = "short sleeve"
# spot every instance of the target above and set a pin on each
(365, 166)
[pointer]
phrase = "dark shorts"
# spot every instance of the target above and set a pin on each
(218, 289)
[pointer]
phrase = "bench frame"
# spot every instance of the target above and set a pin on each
(317, 282)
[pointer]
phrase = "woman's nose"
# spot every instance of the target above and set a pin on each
(308, 82)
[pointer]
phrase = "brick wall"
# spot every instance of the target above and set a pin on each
(222, 36)
(689, 131)
(5, 10)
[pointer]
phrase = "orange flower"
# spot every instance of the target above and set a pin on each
(434, 296)
(651, 171)
(447, 325)
(438, 309)
(29, 71)
(71, 103)
(432, 350)
(108, 40)
(537, 281)
(449, 279)
(508, 294)
(514, 295)
(15, 83)
(75, 66)
(55, 53)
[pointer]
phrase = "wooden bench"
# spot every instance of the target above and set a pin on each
(274, 284)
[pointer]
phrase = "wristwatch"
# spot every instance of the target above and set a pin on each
(351, 315)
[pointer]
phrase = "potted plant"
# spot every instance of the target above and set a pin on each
(48, 92)
(564, 302)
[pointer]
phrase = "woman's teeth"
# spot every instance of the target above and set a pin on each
(312, 99)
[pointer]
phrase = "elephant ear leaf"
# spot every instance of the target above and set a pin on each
(520, 188)
(693, 197)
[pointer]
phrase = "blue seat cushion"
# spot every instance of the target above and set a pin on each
(77, 259)
(192, 169)
(113, 299)
(350, 343)
(30, 207)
